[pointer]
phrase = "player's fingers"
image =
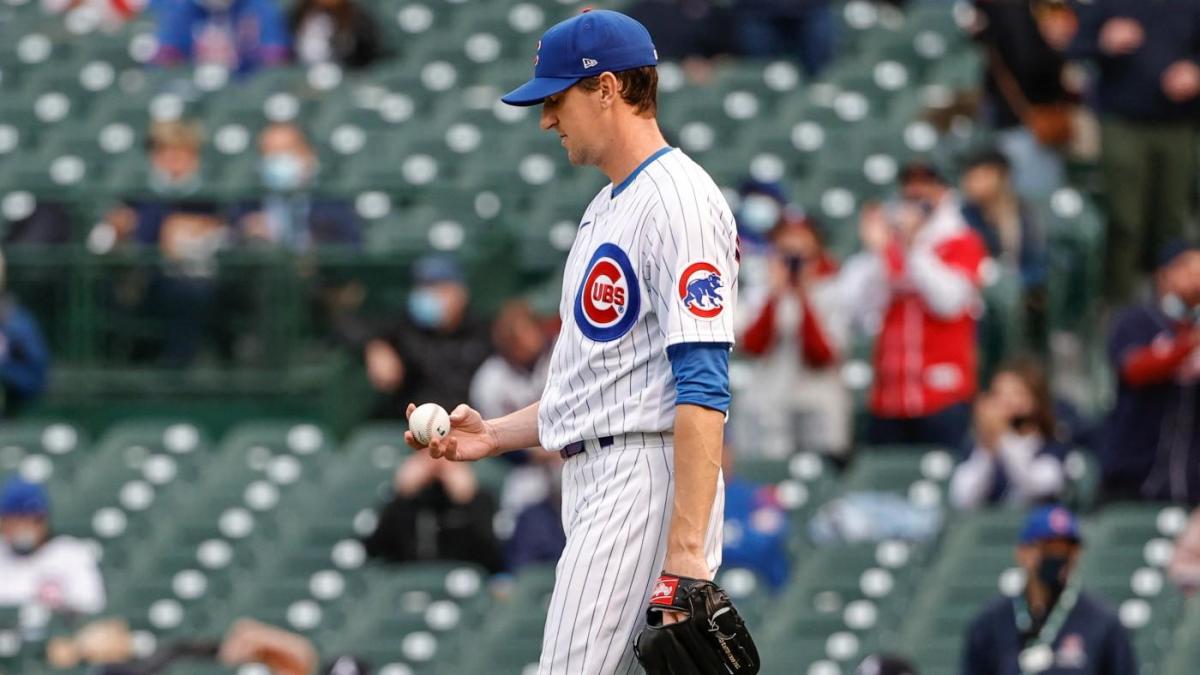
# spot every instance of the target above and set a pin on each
(411, 441)
(460, 413)
(435, 449)
(451, 445)
(409, 410)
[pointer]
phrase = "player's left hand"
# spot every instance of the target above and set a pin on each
(708, 637)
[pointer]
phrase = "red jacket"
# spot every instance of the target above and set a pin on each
(816, 348)
(926, 356)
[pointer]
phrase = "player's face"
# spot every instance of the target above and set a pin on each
(572, 115)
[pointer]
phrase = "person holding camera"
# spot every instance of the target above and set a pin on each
(917, 283)
(795, 335)
(1016, 459)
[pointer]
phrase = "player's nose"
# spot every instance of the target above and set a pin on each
(548, 120)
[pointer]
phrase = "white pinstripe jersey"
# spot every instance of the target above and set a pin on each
(654, 264)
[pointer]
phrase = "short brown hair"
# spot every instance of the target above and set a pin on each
(1031, 372)
(639, 88)
(176, 133)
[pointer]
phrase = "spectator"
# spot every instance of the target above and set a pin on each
(919, 279)
(756, 527)
(107, 646)
(801, 29)
(796, 335)
(1053, 625)
(335, 31)
(57, 572)
(538, 536)
(1013, 234)
(1016, 458)
(289, 216)
(1184, 569)
(509, 380)
(240, 36)
(174, 205)
(1151, 446)
(686, 30)
(430, 355)
(1026, 101)
(761, 206)
(438, 513)
(1148, 57)
(24, 355)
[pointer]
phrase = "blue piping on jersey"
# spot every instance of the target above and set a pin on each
(629, 179)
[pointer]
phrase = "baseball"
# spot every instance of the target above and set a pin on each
(429, 421)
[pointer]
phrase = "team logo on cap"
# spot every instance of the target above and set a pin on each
(1060, 521)
(608, 300)
(590, 63)
(700, 285)
(538, 53)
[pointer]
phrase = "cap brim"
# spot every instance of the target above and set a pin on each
(536, 90)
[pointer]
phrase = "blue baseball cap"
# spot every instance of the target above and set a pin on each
(1050, 522)
(437, 269)
(583, 46)
(22, 498)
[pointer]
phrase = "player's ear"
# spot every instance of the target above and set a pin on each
(610, 89)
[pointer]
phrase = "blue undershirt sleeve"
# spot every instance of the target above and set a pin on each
(701, 373)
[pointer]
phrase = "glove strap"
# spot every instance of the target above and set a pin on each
(668, 593)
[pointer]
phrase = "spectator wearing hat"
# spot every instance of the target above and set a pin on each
(57, 572)
(1015, 236)
(1052, 625)
(1147, 56)
(917, 283)
(429, 354)
(1151, 445)
(795, 332)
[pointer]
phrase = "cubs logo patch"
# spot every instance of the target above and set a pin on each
(700, 285)
(609, 299)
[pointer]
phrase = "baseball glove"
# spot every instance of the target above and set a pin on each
(712, 640)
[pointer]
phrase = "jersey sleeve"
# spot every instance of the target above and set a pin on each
(693, 268)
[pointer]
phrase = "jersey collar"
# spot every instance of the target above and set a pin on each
(629, 179)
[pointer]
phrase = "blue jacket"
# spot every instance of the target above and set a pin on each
(1130, 86)
(756, 530)
(1092, 641)
(258, 26)
(1136, 457)
(24, 356)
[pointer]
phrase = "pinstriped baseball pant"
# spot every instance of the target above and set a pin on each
(617, 505)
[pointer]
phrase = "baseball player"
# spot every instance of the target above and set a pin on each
(638, 384)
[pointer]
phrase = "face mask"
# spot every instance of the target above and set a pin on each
(426, 308)
(282, 172)
(23, 542)
(759, 213)
(162, 183)
(1050, 573)
(1175, 308)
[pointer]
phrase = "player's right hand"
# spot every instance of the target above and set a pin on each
(470, 437)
